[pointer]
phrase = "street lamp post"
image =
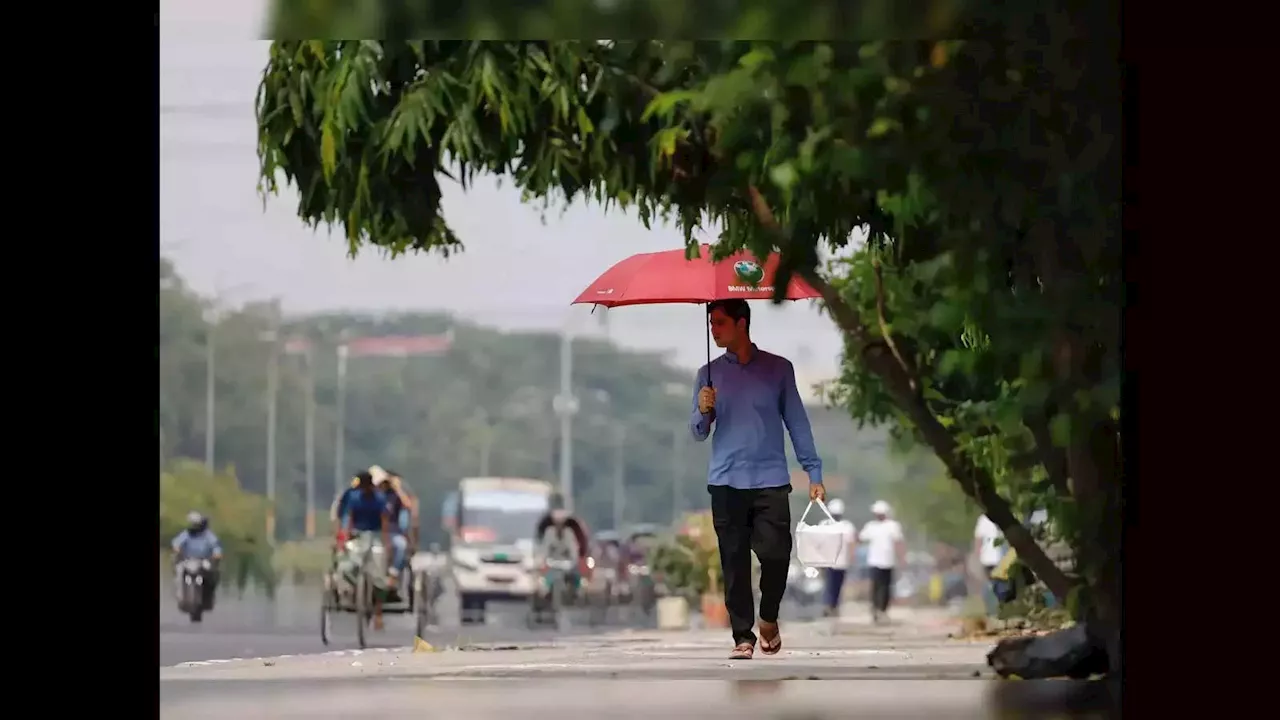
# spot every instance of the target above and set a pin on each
(272, 337)
(213, 318)
(486, 441)
(619, 475)
(566, 406)
(210, 392)
(309, 429)
(340, 446)
(677, 472)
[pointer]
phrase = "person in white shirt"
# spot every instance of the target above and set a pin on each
(836, 575)
(886, 546)
(986, 544)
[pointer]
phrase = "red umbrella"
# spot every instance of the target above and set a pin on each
(668, 277)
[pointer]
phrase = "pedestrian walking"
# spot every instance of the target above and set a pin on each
(989, 553)
(836, 575)
(986, 545)
(886, 548)
(749, 396)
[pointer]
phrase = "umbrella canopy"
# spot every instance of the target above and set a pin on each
(668, 277)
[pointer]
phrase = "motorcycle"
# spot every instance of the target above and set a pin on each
(805, 586)
(193, 599)
(603, 592)
(644, 592)
(556, 591)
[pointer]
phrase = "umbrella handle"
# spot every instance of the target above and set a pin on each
(707, 324)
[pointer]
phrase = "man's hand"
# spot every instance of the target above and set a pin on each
(817, 492)
(706, 400)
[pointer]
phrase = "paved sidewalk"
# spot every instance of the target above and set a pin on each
(906, 669)
(915, 646)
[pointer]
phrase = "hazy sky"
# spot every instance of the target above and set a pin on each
(515, 273)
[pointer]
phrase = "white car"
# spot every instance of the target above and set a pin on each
(484, 573)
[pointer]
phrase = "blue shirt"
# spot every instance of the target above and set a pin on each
(201, 546)
(366, 510)
(754, 400)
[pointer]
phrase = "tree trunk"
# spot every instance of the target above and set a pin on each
(975, 482)
(1097, 483)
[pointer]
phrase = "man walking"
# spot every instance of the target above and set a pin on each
(885, 547)
(986, 535)
(749, 395)
(836, 575)
(986, 539)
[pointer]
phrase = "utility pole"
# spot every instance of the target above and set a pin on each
(272, 336)
(486, 441)
(619, 476)
(212, 320)
(677, 473)
(566, 406)
(210, 430)
(310, 441)
(340, 449)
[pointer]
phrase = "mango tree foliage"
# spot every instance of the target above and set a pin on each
(623, 19)
(981, 313)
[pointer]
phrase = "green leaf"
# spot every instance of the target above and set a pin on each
(756, 58)
(946, 316)
(882, 126)
(665, 103)
(784, 176)
(1060, 430)
(584, 123)
(328, 151)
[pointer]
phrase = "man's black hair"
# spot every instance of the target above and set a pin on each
(364, 477)
(736, 310)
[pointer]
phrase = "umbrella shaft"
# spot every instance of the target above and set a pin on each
(707, 324)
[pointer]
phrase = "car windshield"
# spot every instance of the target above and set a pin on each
(502, 527)
(502, 518)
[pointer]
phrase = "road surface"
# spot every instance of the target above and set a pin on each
(869, 672)
(234, 631)
(224, 638)
(186, 644)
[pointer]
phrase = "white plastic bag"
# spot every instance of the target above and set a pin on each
(822, 545)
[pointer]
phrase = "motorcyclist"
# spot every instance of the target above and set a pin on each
(365, 509)
(197, 541)
(561, 537)
(612, 553)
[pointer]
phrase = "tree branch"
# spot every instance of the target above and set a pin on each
(1053, 459)
(975, 482)
(884, 325)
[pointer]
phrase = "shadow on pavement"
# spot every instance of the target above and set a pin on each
(481, 699)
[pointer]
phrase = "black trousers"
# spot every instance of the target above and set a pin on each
(881, 588)
(746, 521)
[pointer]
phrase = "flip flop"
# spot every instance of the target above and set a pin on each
(742, 651)
(770, 642)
